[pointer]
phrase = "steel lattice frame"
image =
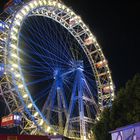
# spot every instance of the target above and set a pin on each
(13, 89)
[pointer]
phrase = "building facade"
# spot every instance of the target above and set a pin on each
(130, 132)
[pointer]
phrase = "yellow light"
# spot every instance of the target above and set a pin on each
(53, 12)
(15, 65)
(19, 16)
(49, 2)
(15, 29)
(72, 13)
(59, 5)
(78, 17)
(10, 21)
(48, 129)
(4, 38)
(17, 22)
(85, 26)
(111, 87)
(31, 5)
(89, 135)
(45, 2)
(96, 43)
(85, 138)
(35, 2)
(80, 20)
(54, 133)
(27, 8)
(94, 39)
(13, 46)
(63, 7)
(40, 2)
(41, 122)
(98, 118)
(13, 33)
(111, 83)
(23, 12)
(14, 37)
(14, 55)
(12, 69)
(20, 86)
(30, 105)
(112, 94)
(25, 95)
(68, 10)
(109, 77)
(36, 113)
(17, 75)
(102, 55)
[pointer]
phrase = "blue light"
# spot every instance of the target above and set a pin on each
(17, 1)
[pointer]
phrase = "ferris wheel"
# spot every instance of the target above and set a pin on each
(52, 69)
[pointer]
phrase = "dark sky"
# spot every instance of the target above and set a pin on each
(115, 25)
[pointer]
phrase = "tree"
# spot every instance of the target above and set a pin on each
(124, 111)
(100, 129)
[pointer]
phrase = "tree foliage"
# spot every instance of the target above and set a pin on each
(124, 111)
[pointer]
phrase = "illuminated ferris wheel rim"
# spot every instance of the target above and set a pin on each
(35, 8)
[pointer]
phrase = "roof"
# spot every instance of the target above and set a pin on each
(126, 127)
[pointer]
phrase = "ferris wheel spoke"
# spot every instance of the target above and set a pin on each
(39, 80)
(38, 49)
(91, 83)
(56, 48)
(91, 95)
(49, 102)
(89, 77)
(32, 67)
(35, 66)
(48, 98)
(42, 93)
(63, 41)
(29, 43)
(67, 84)
(59, 39)
(37, 62)
(52, 54)
(37, 71)
(88, 73)
(33, 50)
(76, 55)
(49, 38)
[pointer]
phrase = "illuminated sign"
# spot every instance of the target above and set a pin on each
(11, 120)
(8, 120)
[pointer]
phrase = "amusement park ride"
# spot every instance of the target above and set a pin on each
(53, 71)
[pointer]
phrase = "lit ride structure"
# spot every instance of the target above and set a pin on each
(53, 70)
